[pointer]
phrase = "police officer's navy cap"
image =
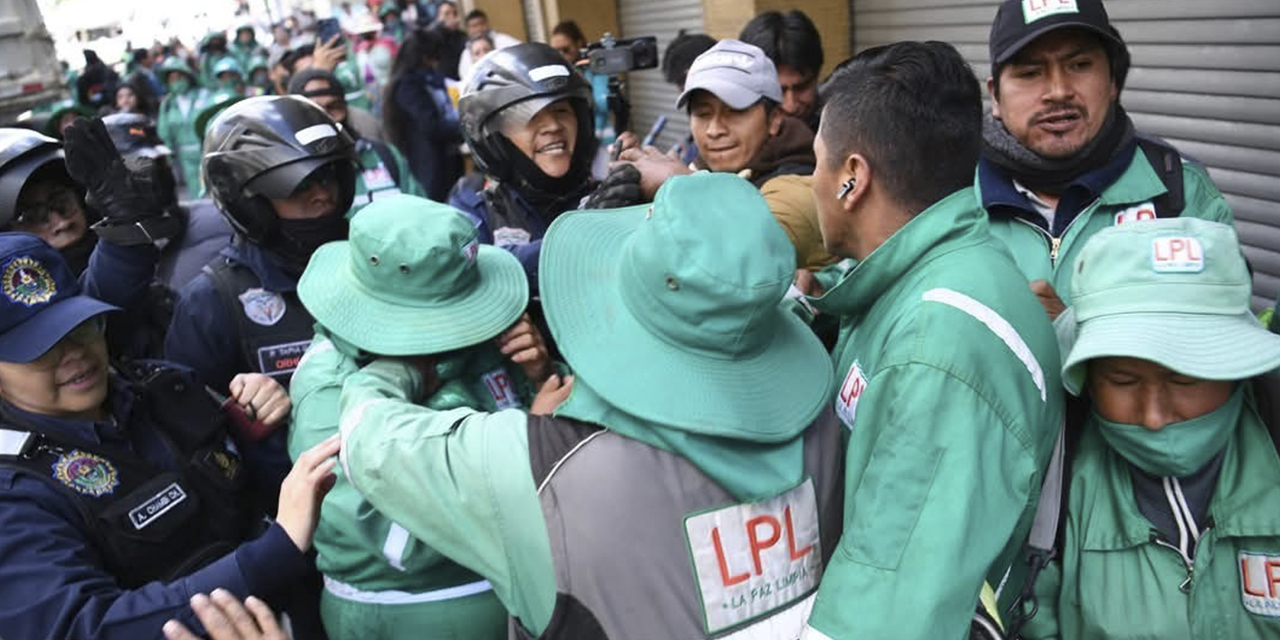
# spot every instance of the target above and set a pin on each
(40, 298)
(1019, 22)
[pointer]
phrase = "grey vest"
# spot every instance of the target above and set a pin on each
(647, 546)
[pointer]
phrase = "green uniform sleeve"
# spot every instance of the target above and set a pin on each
(1203, 200)
(458, 480)
(936, 482)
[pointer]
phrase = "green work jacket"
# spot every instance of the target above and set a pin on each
(950, 391)
(1041, 256)
(1115, 583)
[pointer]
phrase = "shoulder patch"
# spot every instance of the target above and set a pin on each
(263, 307)
(753, 559)
(1137, 213)
(1260, 583)
(27, 282)
(86, 473)
(511, 237)
(855, 383)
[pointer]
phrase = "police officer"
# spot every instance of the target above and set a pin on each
(947, 365)
(1061, 159)
(1172, 501)
(526, 116)
(121, 493)
(383, 171)
(668, 497)
(283, 174)
(38, 196)
(178, 113)
(194, 238)
(408, 284)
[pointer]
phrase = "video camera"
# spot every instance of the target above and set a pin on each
(612, 57)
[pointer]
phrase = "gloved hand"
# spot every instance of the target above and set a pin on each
(621, 188)
(125, 194)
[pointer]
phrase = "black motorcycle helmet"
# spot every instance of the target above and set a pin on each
(265, 147)
(24, 154)
(512, 75)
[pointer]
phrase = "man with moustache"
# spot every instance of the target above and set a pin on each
(1061, 160)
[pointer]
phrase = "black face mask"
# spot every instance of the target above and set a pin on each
(298, 239)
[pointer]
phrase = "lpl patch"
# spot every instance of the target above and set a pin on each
(1033, 10)
(156, 506)
(1138, 213)
(502, 388)
(281, 359)
(1260, 584)
(1177, 255)
(86, 473)
(855, 384)
(753, 559)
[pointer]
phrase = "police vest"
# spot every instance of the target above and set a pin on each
(145, 522)
(273, 329)
(645, 545)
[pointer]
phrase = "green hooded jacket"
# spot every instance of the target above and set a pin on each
(948, 379)
(176, 126)
(1115, 583)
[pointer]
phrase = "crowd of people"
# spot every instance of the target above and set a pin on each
(858, 359)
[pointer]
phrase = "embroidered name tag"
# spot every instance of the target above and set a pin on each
(1033, 10)
(1260, 584)
(1144, 211)
(1177, 255)
(158, 505)
(847, 400)
(281, 359)
(502, 388)
(752, 559)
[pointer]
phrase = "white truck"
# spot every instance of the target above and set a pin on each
(29, 70)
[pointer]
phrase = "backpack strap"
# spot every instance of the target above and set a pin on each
(388, 159)
(1168, 165)
(1266, 399)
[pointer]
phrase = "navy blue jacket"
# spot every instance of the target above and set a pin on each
(206, 234)
(52, 584)
(203, 333)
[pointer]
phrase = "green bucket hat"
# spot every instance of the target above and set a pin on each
(413, 279)
(670, 312)
(1173, 291)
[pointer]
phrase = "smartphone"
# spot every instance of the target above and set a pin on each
(326, 29)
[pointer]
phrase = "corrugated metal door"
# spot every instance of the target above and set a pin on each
(651, 96)
(1205, 77)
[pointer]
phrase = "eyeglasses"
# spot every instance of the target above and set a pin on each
(85, 334)
(63, 200)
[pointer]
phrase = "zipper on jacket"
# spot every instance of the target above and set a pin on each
(1055, 242)
(1188, 531)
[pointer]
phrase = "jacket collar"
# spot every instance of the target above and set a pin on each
(263, 265)
(949, 224)
(1244, 503)
(1126, 178)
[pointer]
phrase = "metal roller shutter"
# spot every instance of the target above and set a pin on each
(651, 96)
(1205, 77)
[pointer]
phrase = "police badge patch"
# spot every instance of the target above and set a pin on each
(86, 473)
(263, 307)
(27, 282)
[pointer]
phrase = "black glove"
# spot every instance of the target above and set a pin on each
(134, 204)
(621, 188)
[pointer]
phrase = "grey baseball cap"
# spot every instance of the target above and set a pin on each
(737, 73)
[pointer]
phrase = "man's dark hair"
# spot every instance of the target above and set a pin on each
(786, 38)
(570, 30)
(680, 54)
(914, 111)
(475, 13)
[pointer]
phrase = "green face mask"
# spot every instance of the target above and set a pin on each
(1179, 449)
(179, 86)
(227, 83)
